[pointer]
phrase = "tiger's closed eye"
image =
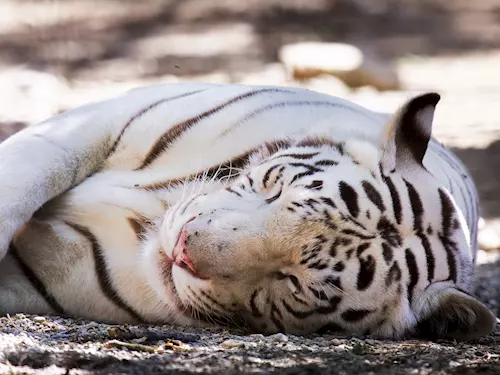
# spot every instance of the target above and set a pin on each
(294, 281)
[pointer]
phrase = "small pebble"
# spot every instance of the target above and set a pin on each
(279, 337)
(39, 319)
(228, 344)
(335, 342)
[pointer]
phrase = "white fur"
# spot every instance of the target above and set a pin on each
(101, 191)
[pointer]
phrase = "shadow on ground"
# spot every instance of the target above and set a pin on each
(394, 28)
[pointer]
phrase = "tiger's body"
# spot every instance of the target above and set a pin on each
(275, 208)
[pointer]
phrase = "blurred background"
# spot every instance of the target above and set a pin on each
(57, 54)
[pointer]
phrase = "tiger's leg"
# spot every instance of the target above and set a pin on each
(45, 160)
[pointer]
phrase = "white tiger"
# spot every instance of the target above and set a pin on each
(275, 209)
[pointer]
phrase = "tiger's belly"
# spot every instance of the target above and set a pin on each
(81, 256)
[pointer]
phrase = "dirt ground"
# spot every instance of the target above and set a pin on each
(92, 49)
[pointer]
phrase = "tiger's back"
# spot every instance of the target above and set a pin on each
(87, 252)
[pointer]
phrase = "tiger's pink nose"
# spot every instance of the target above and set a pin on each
(180, 254)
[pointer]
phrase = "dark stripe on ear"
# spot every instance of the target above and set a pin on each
(101, 270)
(350, 198)
(35, 281)
(373, 194)
(352, 315)
(450, 249)
(447, 213)
(411, 263)
(429, 256)
(396, 201)
(416, 207)
(176, 131)
(366, 272)
(143, 111)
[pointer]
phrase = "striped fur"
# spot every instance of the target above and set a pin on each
(272, 208)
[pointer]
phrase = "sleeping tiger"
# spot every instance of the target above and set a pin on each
(270, 209)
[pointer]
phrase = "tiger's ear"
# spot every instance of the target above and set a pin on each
(408, 133)
(457, 315)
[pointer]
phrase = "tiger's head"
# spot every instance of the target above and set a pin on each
(317, 235)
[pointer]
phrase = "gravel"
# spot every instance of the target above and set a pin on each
(55, 345)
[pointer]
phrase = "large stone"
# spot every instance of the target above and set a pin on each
(354, 67)
(30, 96)
(489, 234)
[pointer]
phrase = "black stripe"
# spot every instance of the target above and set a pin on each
(429, 256)
(361, 248)
(450, 249)
(290, 104)
(298, 156)
(328, 201)
(366, 272)
(253, 306)
(176, 131)
(326, 163)
(416, 207)
(318, 265)
(310, 168)
(373, 195)
(350, 197)
(333, 281)
(323, 310)
(267, 175)
(143, 111)
(295, 283)
(396, 202)
(273, 198)
(232, 191)
(393, 275)
(352, 315)
(387, 252)
(318, 294)
(35, 281)
(101, 270)
(352, 232)
(276, 318)
(315, 185)
(411, 263)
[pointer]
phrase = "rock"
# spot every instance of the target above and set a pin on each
(270, 74)
(325, 84)
(229, 344)
(30, 96)
(489, 235)
(279, 337)
(348, 63)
